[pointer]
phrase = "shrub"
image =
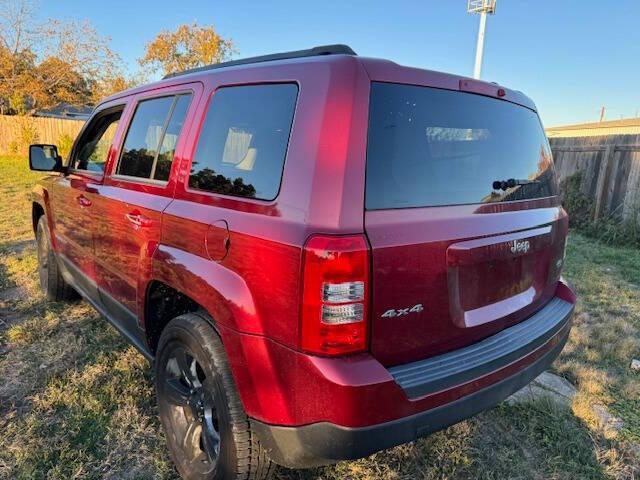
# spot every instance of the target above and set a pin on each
(575, 202)
(611, 229)
(27, 134)
(65, 142)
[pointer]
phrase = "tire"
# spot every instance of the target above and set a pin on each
(208, 433)
(52, 283)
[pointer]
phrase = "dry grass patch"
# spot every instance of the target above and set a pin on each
(605, 338)
(94, 421)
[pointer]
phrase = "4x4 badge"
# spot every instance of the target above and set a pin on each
(401, 312)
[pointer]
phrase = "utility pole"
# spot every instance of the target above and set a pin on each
(484, 8)
(602, 114)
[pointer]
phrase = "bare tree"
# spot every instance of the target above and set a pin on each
(44, 64)
(17, 30)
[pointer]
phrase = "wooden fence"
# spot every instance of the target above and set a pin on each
(611, 170)
(17, 132)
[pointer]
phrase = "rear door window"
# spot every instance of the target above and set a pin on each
(243, 142)
(152, 136)
(170, 138)
(431, 147)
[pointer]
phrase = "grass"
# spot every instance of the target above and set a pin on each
(77, 402)
(607, 333)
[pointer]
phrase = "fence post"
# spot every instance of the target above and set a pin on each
(603, 179)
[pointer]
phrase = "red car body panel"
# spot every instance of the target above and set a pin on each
(240, 259)
(284, 387)
(415, 264)
(328, 137)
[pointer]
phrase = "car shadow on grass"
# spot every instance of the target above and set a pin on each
(75, 397)
(15, 246)
(531, 441)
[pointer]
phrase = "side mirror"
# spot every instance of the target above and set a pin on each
(44, 158)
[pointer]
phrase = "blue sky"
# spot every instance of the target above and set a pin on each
(570, 56)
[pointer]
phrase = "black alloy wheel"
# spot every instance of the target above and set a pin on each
(186, 392)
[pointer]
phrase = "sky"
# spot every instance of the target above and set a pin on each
(572, 57)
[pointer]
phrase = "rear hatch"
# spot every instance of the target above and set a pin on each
(462, 214)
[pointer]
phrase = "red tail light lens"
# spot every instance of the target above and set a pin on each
(335, 295)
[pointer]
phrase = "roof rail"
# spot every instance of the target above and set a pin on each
(311, 52)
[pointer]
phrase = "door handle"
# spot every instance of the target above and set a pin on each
(138, 220)
(83, 201)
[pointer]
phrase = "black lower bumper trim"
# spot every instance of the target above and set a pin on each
(447, 370)
(325, 443)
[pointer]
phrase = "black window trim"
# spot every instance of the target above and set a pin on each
(260, 201)
(143, 180)
(121, 107)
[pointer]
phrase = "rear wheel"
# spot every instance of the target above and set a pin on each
(52, 283)
(207, 430)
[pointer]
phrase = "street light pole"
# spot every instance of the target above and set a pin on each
(483, 7)
(477, 69)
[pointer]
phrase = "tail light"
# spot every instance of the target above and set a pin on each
(335, 295)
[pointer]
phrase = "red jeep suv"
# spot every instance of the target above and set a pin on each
(323, 255)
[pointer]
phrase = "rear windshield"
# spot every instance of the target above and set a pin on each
(430, 147)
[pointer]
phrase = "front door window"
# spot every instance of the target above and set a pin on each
(92, 149)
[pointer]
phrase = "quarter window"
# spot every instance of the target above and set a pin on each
(152, 137)
(244, 140)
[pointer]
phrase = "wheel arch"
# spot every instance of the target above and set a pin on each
(219, 291)
(37, 211)
(225, 298)
(40, 206)
(162, 304)
(195, 283)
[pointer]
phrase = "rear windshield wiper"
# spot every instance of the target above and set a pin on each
(511, 183)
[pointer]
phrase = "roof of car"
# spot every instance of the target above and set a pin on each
(378, 70)
(337, 49)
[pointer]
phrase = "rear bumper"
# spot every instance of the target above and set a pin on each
(427, 402)
(325, 443)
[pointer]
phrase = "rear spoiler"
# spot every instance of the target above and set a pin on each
(494, 90)
(387, 71)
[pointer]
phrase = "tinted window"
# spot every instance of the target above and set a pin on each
(431, 147)
(244, 140)
(93, 147)
(151, 140)
(170, 138)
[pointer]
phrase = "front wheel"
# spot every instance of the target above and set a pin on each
(52, 283)
(208, 433)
